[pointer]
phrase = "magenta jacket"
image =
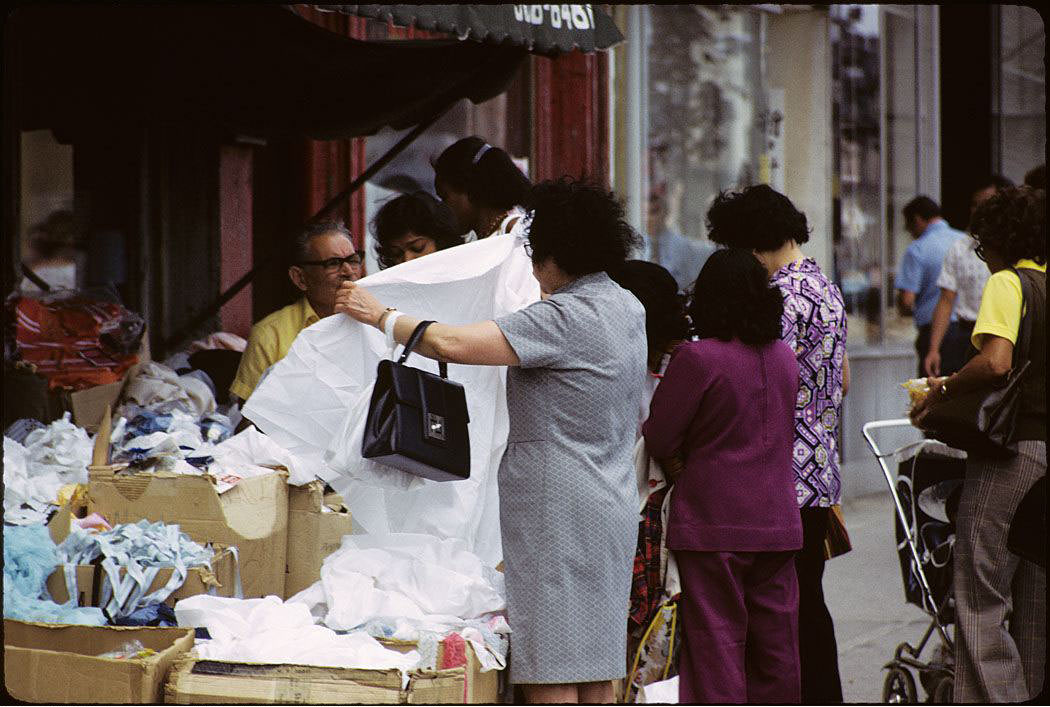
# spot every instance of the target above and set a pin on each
(729, 409)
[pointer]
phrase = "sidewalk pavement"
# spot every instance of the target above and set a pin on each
(865, 595)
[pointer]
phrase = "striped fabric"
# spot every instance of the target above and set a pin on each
(67, 341)
(993, 662)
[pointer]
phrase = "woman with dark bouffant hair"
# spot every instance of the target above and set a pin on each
(482, 186)
(567, 493)
(726, 405)
(992, 664)
(411, 226)
(764, 221)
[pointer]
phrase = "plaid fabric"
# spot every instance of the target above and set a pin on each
(647, 583)
(993, 663)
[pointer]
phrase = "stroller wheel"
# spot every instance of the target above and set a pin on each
(899, 687)
(942, 693)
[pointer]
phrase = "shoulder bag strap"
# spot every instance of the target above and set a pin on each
(1024, 331)
(414, 339)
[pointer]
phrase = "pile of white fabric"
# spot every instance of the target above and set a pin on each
(314, 402)
(401, 586)
(51, 458)
(159, 388)
(269, 631)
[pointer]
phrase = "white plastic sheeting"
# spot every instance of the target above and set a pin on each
(270, 631)
(314, 401)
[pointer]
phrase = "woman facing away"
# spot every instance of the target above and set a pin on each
(1000, 599)
(726, 404)
(814, 326)
(482, 186)
(568, 500)
(411, 226)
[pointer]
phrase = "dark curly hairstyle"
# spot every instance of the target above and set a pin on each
(757, 218)
(578, 224)
(656, 289)
(488, 177)
(732, 298)
(418, 212)
(1012, 224)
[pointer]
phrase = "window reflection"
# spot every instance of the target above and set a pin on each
(705, 98)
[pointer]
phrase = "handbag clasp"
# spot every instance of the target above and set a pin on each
(435, 427)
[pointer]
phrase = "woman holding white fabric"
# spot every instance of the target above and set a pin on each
(482, 186)
(568, 499)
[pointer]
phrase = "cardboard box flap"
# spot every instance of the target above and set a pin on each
(87, 640)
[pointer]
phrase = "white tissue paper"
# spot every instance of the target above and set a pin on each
(52, 457)
(430, 583)
(664, 692)
(314, 401)
(250, 452)
(269, 631)
(157, 387)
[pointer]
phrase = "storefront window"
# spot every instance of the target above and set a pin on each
(1019, 101)
(881, 122)
(705, 100)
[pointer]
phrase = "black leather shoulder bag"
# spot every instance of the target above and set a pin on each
(417, 422)
(982, 422)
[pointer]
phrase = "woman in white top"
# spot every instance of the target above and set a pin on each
(482, 186)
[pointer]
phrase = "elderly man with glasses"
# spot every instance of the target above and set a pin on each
(323, 258)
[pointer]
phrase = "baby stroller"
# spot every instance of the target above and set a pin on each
(925, 490)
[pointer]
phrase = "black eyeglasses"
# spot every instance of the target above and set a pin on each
(979, 251)
(528, 248)
(332, 264)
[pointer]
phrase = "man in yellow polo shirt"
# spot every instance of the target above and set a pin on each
(323, 258)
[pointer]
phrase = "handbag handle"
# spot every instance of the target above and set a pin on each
(414, 339)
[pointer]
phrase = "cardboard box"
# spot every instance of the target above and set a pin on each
(199, 580)
(50, 663)
(252, 516)
(313, 533)
(219, 682)
(89, 406)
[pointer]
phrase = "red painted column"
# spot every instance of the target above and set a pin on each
(235, 228)
(570, 117)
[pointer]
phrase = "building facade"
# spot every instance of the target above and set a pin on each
(850, 110)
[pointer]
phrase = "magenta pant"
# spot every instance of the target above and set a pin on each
(739, 613)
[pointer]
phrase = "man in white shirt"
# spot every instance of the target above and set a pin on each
(962, 279)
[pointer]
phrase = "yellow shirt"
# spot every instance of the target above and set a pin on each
(269, 342)
(1000, 313)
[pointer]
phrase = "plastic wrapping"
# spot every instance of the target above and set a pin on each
(314, 400)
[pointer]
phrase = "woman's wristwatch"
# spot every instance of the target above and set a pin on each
(943, 389)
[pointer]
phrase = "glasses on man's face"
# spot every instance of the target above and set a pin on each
(979, 252)
(333, 264)
(528, 248)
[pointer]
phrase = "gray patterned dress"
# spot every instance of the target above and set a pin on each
(568, 496)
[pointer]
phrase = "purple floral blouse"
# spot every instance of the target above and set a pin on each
(815, 329)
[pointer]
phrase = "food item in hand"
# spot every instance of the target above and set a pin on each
(918, 389)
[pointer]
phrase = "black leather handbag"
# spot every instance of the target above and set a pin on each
(982, 422)
(417, 422)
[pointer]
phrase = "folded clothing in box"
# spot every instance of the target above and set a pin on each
(76, 341)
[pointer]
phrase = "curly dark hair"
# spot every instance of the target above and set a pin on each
(757, 218)
(418, 212)
(580, 225)
(656, 289)
(486, 174)
(1012, 224)
(733, 298)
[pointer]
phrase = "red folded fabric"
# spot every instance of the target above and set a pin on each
(62, 339)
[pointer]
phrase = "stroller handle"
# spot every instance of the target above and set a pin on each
(870, 427)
